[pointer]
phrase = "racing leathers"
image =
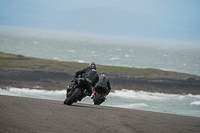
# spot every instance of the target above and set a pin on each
(90, 75)
(103, 83)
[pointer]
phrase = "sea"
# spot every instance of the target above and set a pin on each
(111, 51)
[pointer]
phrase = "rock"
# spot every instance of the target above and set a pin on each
(52, 80)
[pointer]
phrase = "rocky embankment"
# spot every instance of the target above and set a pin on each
(52, 80)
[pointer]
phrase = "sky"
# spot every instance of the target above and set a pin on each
(175, 20)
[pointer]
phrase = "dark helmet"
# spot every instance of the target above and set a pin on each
(92, 66)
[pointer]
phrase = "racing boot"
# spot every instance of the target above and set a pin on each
(93, 95)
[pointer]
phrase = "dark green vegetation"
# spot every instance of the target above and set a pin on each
(11, 61)
(20, 71)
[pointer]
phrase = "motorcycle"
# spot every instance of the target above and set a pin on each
(99, 96)
(76, 91)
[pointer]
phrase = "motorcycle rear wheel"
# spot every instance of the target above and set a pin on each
(97, 98)
(73, 97)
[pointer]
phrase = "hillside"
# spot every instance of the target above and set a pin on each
(20, 71)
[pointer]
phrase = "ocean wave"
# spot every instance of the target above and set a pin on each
(34, 93)
(132, 106)
(114, 58)
(81, 61)
(143, 95)
(140, 95)
(126, 94)
(195, 103)
(56, 58)
(137, 105)
(140, 100)
(126, 55)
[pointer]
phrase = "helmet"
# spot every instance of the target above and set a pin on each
(92, 66)
(102, 75)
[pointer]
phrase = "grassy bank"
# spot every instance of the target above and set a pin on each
(11, 61)
(28, 72)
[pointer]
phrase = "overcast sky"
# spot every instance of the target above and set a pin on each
(177, 20)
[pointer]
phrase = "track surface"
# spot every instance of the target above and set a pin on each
(24, 115)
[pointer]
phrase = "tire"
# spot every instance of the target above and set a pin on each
(73, 97)
(97, 98)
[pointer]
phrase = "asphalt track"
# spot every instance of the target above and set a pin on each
(29, 115)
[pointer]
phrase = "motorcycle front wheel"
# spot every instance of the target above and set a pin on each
(73, 97)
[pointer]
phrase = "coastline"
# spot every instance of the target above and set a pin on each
(38, 115)
(52, 80)
(35, 73)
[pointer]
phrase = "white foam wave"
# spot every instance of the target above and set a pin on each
(158, 102)
(56, 58)
(117, 94)
(34, 93)
(126, 55)
(80, 61)
(143, 95)
(138, 105)
(132, 106)
(195, 103)
(114, 58)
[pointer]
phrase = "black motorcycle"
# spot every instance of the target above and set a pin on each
(99, 96)
(76, 90)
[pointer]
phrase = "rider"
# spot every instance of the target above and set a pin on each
(90, 74)
(102, 83)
